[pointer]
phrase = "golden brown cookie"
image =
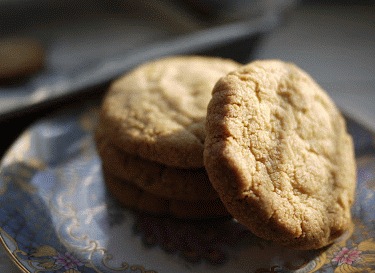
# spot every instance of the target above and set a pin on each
(157, 111)
(278, 153)
(153, 177)
(20, 57)
(135, 198)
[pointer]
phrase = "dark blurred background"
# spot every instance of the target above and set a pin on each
(88, 43)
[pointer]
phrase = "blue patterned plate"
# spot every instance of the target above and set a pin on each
(56, 216)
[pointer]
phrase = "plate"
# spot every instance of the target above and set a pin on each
(56, 216)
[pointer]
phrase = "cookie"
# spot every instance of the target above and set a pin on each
(158, 110)
(278, 153)
(133, 197)
(20, 57)
(155, 178)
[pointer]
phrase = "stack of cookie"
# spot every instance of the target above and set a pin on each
(274, 146)
(151, 133)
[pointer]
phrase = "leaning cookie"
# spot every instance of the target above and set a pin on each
(153, 177)
(278, 153)
(158, 110)
(133, 197)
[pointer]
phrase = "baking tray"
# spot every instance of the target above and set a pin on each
(83, 53)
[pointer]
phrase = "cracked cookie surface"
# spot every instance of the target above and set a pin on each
(158, 110)
(278, 153)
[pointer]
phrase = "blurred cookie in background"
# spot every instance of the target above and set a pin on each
(20, 57)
